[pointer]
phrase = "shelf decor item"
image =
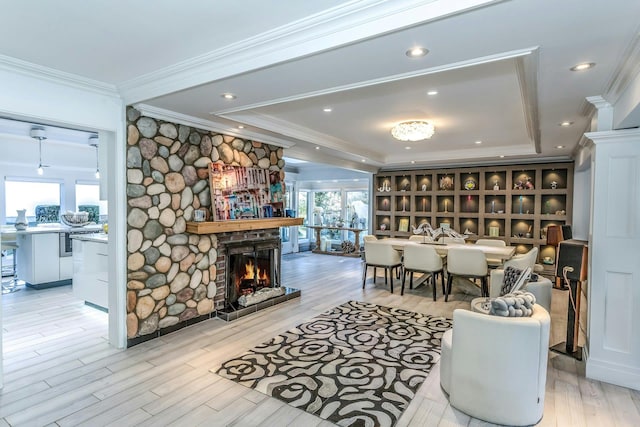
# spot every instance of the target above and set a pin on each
(470, 184)
(21, 220)
(496, 186)
(403, 225)
(446, 183)
(494, 231)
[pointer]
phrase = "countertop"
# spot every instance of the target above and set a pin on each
(55, 228)
(91, 237)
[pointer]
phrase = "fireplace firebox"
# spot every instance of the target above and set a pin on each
(253, 269)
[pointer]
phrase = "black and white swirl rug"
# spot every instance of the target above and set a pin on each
(357, 364)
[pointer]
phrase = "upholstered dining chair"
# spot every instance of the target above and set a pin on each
(492, 262)
(422, 259)
(522, 261)
(380, 254)
(494, 368)
(469, 263)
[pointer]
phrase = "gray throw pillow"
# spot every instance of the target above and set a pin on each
(511, 275)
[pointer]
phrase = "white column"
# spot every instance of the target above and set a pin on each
(613, 336)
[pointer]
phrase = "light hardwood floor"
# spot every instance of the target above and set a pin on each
(59, 369)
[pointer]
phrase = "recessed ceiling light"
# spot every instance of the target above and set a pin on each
(355, 180)
(407, 148)
(317, 148)
(478, 142)
(413, 162)
(502, 157)
(228, 96)
(327, 110)
(559, 146)
(566, 123)
(363, 160)
(432, 92)
(240, 127)
(417, 52)
(583, 66)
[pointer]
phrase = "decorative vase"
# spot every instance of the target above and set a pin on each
(21, 220)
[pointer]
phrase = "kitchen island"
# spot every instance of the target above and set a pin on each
(43, 256)
(90, 263)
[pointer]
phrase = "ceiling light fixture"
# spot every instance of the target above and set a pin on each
(417, 52)
(39, 134)
(413, 162)
(407, 148)
(559, 146)
(240, 127)
(478, 142)
(327, 110)
(317, 148)
(363, 160)
(415, 130)
(566, 123)
(93, 141)
(432, 92)
(228, 96)
(583, 66)
(502, 156)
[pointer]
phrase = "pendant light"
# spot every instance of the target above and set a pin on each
(39, 134)
(93, 141)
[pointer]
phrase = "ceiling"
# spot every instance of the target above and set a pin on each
(501, 70)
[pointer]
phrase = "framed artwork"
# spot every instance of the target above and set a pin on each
(403, 225)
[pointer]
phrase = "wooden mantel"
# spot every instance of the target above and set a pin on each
(240, 225)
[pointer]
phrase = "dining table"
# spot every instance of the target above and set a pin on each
(502, 252)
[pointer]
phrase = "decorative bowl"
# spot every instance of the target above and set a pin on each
(75, 219)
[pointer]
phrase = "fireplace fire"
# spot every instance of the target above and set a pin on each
(249, 276)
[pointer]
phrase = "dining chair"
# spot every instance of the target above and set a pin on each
(492, 262)
(522, 261)
(422, 259)
(469, 263)
(380, 254)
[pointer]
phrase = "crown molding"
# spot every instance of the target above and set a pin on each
(337, 26)
(302, 133)
(519, 53)
(612, 136)
(527, 70)
(210, 125)
(628, 69)
(39, 72)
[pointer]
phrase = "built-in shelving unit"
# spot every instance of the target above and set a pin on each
(515, 203)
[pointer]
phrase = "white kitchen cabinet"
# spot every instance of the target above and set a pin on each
(38, 259)
(90, 277)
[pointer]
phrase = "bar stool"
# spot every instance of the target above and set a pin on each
(9, 243)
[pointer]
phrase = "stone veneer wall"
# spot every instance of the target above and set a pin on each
(171, 274)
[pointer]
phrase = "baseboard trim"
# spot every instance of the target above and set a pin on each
(613, 373)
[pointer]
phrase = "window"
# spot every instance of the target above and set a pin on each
(303, 199)
(27, 194)
(88, 194)
(357, 208)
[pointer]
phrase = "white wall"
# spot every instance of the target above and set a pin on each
(581, 204)
(47, 97)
